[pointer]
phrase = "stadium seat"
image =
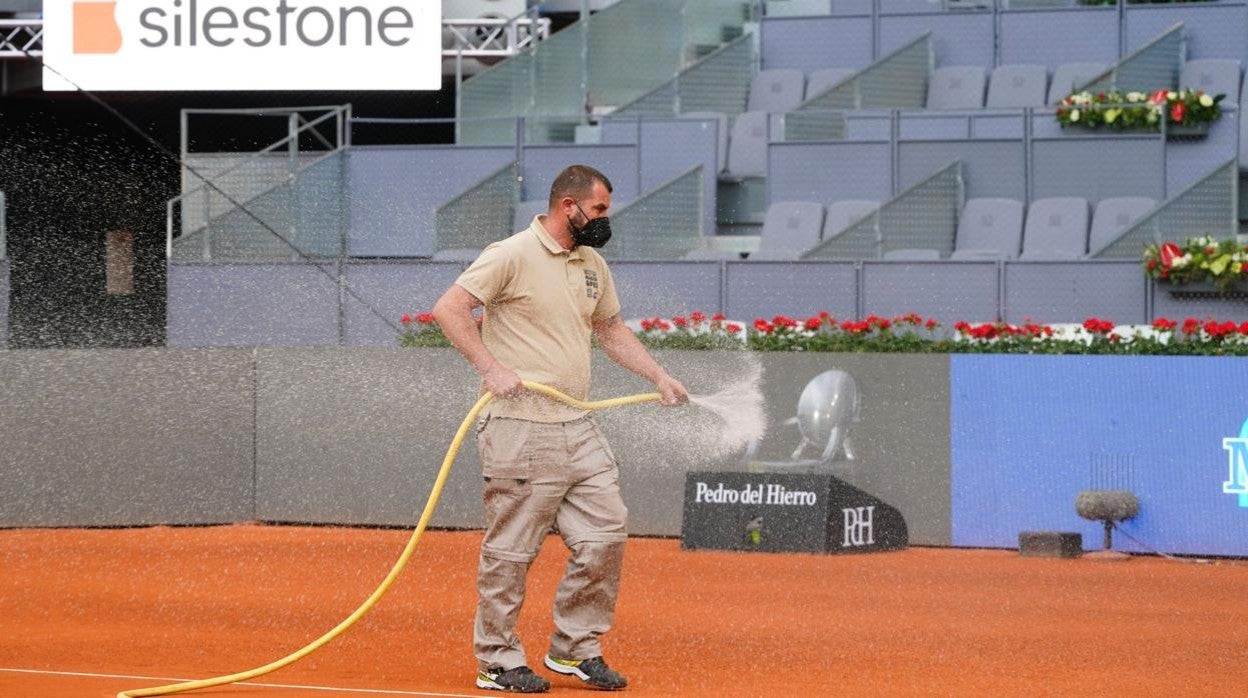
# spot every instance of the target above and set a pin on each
(789, 229)
(1114, 215)
(1070, 75)
(525, 211)
(825, 79)
(721, 119)
(1018, 86)
(1057, 228)
(747, 147)
(1214, 76)
(989, 229)
(777, 91)
(956, 87)
(842, 214)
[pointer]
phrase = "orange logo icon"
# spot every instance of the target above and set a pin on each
(95, 28)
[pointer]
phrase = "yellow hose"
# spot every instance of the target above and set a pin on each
(427, 514)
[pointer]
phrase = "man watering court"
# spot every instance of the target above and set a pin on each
(546, 464)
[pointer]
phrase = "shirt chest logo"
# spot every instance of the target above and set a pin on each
(591, 284)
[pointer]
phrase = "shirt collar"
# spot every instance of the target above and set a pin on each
(549, 242)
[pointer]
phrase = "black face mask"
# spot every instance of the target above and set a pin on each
(596, 233)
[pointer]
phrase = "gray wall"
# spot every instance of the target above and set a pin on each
(125, 437)
(356, 436)
(4, 302)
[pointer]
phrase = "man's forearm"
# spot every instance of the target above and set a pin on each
(623, 347)
(461, 330)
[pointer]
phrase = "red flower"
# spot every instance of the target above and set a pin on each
(406, 319)
(697, 317)
(825, 315)
(718, 317)
(814, 323)
(680, 321)
(647, 325)
(1048, 331)
(931, 323)
(1169, 253)
(425, 318)
(1162, 323)
(733, 328)
(1113, 337)
(1177, 111)
(1165, 273)
(1243, 328)
(1191, 326)
(1152, 264)
(961, 326)
(1100, 96)
(1159, 96)
(763, 326)
(664, 326)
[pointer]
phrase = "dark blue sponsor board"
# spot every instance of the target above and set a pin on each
(780, 512)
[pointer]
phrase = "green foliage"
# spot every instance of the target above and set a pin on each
(1200, 260)
(1138, 111)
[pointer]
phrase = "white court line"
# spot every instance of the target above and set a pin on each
(243, 683)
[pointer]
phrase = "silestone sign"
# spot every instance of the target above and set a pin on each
(242, 45)
(779, 512)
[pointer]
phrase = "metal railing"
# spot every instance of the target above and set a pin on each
(1154, 65)
(924, 216)
(21, 38)
(720, 82)
(493, 37)
(664, 224)
(898, 80)
(480, 215)
(222, 196)
(1208, 207)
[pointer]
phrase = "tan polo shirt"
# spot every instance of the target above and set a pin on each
(540, 305)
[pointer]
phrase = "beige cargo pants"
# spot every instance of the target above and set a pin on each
(538, 477)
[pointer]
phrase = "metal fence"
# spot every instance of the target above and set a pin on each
(898, 80)
(1154, 65)
(480, 215)
(666, 223)
(924, 216)
(1208, 207)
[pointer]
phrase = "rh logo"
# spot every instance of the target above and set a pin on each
(859, 526)
(1237, 468)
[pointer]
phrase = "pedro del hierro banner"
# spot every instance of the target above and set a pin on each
(242, 45)
(780, 512)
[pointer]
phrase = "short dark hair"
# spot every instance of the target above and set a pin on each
(576, 181)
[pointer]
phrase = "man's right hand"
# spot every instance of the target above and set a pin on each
(503, 382)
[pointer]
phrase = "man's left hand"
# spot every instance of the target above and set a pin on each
(672, 391)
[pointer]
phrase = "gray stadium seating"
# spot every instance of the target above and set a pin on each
(790, 228)
(1057, 228)
(956, 87)
(747, 147)
(1068, 75)
(1214, 76)
(721, 147)
(824, 79)
(989, 229)
(779, 90)
(525, 211)
(1113, 215)
(842, 214)
(1018, 86)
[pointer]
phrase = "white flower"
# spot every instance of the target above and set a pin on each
(1152, 116)
(1206, 101)
(1172, 96)
(1136, 96)
(1180, 262)
(1074, 115)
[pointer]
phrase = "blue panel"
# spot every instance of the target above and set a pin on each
(395, 193)
(1212, 31)
(1052, 37)
(620, 131)
(989, 168)
(957, 38)
(392, 290)
(542, 163)
(1001, 124)
(810, 43)
(828, 172)
(868, 125)
(1190, 160)
(669, 147)
(1030, 432)
(763, 289)
(1097, 167)
(647, 289)
(4, 302)
(947, 291)
(1198, 305)
(1075, 291)
(928, 125)
(239, 305)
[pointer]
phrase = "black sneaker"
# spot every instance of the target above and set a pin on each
(518, 680)
(594, 672)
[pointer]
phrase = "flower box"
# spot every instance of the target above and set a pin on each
(1190, 131)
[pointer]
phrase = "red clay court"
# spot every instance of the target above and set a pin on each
(181, 603)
